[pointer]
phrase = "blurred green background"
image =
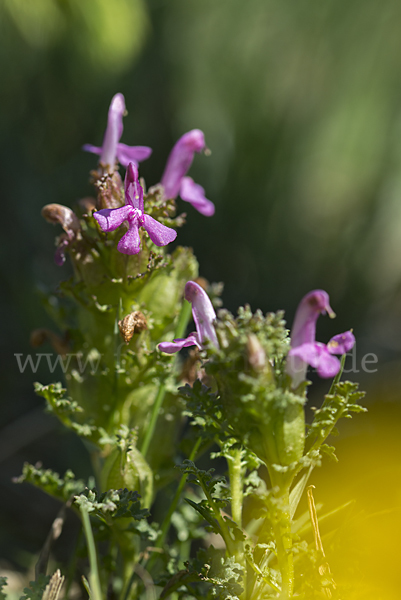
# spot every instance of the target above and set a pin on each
(300, 102)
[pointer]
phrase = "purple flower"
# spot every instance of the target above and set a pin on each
(111, 218)
(203, 314)
(111, 148)
(304, 348)
(174, 178)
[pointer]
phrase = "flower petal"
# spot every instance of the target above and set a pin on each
(130, 243)
(158, 233)
(114, 130)
(195, 194)
(316, 355)
(328, 365)
(180, 160)
(111, 218)
(341, 343)
(135, 154)
(176, 345)
(202, 312)
(93, 149)
(133, 189)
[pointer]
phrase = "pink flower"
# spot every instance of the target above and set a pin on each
(133, 212)
(174, 178)
(304, 348)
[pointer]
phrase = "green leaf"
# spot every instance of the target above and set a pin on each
(50, 482)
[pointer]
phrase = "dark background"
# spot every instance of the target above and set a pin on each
(300, 104)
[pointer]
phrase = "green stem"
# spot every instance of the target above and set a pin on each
(183, 320)
(117, 341)
(167, 519)
(235, 472)
(282, 533)
(157, 404)
(339, 374)
(236, 485)
(94, 571)
(281, 524)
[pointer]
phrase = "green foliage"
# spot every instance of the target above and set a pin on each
(3, 583)
(205, 479)
(62, 488)
(36, 589)
(223, 574)
(206, 410)
(118, 505)
(65, 409)
(340, 404)
(209, 575)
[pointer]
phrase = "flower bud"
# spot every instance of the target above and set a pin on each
(256, 354)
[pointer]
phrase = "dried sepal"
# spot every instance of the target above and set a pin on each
(135, 322)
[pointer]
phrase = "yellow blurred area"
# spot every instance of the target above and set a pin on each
(362, 541)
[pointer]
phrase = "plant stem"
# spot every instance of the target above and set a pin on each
(157, 404)
(236, 485)
(338, 376)
(282, 532)
(183, 320)
(176, 499)
(235, 472)
(94, 571)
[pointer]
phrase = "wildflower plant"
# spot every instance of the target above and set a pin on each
(155, 523)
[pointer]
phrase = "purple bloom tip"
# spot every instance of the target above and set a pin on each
(341, 343)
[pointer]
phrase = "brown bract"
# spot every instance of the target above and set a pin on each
(62, 215)
(135, 322)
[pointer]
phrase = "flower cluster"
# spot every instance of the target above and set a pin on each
(174, 180)
(304, 351)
